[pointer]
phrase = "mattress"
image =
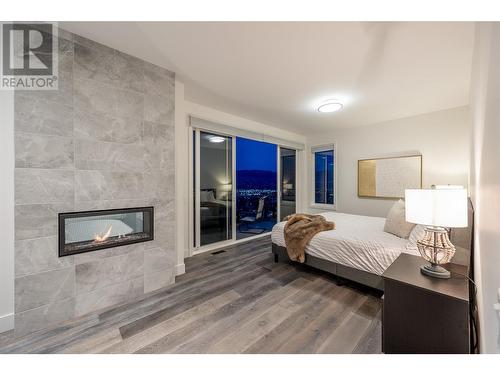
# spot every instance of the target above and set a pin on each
(357, 241)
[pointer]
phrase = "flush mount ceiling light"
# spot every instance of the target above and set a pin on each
(216, 139)
(330, 105)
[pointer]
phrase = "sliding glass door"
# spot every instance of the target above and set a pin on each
(240, 187)
(256, 190)
(214, 191)
(288, 183)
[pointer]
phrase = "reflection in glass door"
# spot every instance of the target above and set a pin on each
(287, 182)
(214, 188)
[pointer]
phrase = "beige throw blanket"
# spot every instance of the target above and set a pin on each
(299, 230)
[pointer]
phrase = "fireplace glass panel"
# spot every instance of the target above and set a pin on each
(92, 230)
(99, 228)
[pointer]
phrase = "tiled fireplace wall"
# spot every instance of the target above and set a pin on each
(105, 139)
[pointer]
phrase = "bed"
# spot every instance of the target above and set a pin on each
(359, 249)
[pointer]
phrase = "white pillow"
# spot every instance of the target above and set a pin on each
(416, 234)
(396, 223)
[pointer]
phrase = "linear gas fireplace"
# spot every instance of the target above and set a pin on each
(80, 232)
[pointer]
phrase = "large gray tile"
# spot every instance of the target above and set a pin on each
(93, 61)
(81, 40)
(167, 162)
(64, 34)
(110, 204)
(129, 72)
(122, 185)
(64, 92)
(164, 208)
(129, 103)
(44, 316)
(96, 98)
(109, 296)
(154, 131)
(99, 99)
(164, 234)
(40, 151)
(65, 54)
(101, 63)
(158, 280)
(107, 271)
(159, 185)
(158, 81)
(159, 146)
(38, 220)
(159, 109)
(43, 288)
(110, 252)
(40, 116)
(159, 88)
(88, 125)
(159, 259)
(109, 156)
(43, 186)
(39, 255)
(106, 113)
(88, 186)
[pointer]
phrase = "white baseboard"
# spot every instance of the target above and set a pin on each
(6, 322)
(180, 269)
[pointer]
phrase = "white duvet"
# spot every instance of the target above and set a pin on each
(357, 241)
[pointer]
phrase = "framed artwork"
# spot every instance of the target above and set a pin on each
(389, 177)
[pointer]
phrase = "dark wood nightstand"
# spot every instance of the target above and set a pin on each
(422, 314)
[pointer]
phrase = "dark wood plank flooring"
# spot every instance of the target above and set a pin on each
(237, 301)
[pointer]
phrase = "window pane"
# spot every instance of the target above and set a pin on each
(323, 178)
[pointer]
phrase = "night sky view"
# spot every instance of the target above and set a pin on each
(254, 155)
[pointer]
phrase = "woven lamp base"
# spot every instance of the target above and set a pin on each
(436, 248)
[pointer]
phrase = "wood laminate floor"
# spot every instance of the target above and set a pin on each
(236, 301)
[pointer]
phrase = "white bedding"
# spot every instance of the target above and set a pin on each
(357, 241)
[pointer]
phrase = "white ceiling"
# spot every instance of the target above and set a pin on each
(278, 72)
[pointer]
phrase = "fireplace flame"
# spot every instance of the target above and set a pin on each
(103, 237)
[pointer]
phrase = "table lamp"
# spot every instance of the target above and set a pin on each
(438, 208)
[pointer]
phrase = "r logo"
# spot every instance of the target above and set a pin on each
(27, 49)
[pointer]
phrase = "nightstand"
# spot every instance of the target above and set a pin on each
(422, 314)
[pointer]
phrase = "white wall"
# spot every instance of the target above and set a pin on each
(485, 179)
(441, 137)
(182, 154)
(7, 210)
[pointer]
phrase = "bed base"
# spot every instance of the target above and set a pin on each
(349, 273)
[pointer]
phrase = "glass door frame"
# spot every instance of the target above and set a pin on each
(194, 191)
(194, 196)
(280, 182)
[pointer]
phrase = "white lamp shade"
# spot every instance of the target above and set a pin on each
(438, 207)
